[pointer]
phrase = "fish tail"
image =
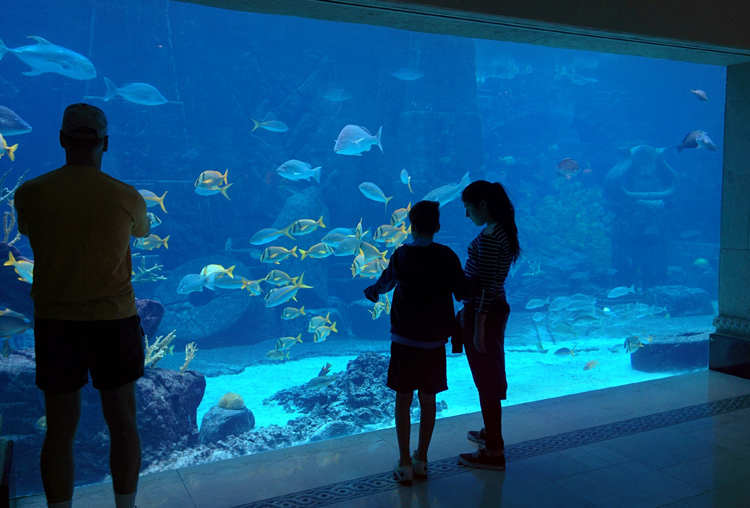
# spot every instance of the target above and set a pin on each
(316, 174)
(286, 231)
(225, 176)
(230, 270)
(377, 137)
(302, 311)
(333, 327)
(112, 90)
(161, 202)
(3, 49)
(304, 255)
(327, 316)
(294, 251)
(679, 148)
(165, 242)
(11, 151)
(224, 191)
(257, 124)
(11, 260)
(320, 222)
(386, 204)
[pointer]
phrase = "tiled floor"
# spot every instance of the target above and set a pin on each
(614, 453)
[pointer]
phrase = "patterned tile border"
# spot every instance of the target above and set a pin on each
(352, 489)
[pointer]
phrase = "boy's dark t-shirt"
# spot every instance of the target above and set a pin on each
(426, 276)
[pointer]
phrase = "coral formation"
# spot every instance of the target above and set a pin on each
(231, 401)
(158, 349)
(190, 351)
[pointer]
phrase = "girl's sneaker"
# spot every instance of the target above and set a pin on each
(403, 474)
(419, 466)
(477, 436)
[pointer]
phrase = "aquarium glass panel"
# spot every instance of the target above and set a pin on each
(280, 157)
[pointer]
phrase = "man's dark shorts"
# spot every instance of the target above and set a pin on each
(67, 350)
(415, 368)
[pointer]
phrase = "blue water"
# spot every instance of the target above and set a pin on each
(501, 111)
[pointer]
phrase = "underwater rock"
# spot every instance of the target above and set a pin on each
(673, 352)
(681, 300)
(167, 407)
(220, 423)
(151, 313)
(333, 429)
(15, 293)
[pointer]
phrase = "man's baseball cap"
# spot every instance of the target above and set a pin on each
(84, 121)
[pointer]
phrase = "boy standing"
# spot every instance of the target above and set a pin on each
(426, 276)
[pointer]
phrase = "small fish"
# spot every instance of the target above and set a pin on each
(7, 150)
(448, 193)
(151, 242)
(406, 179)
(334, 238)
(539, 317)
(553, 148)
(373, 268)
(252, 286)
(211, 178)
(590, 365)
(336, 95)
(270, 125)
(23, 267)
(567, 168)
(700, 262)
(358, 263)
(275, 354)
(13, 323)
(277, 254)
(218, 270)
(621, 291)
(319, 382)
(558, 303)
(317, 251)
(288, 342)
(322, 332)
(565, 351)
(306, 226)
(399, 216)
(386, 232)
(210, 190)
(171, 350)
(268, 235)
(536, 303)
(297, 170)
(195, 282)
(279, 278)
(317, 322)
(138, 93)
(700, 94)
(371, 252)
(353, 140)
(614, 349)
(697, 139)
(283, 294)
(407, 74)
(225, 282)
(47, 57)
(632, 344)
(372, 191)
(41, 424)
(324, 371)
(291, 313)
(11, 124)
(152, 199)
(347, 247)
(508, 160)
(153, 220)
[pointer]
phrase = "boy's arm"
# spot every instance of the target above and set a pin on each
(459, 282)
(385, 283)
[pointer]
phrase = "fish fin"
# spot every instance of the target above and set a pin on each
(286, 231)
(39, 40)
(302, 311)
(408, 184)
(11, 260)
(11, 151)
(112, 90)
(377, 136)
(257, 124)
(230, 270)
(165, 242)
(320, 222)
(304, 255)
(316, 174)
(327, 316)
(211, 284)
(386, 204)
(287, 354)
(161, 201)
(33, 72)
(3, 49)
(224, 191)
(333, 327)
(679, 148)
(294, 251)
(225, 176)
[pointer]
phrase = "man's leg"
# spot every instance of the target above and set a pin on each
(427, 412)
(119, 408)
(403, 425)
(63, 412)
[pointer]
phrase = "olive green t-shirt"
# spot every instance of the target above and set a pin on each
(79, 221)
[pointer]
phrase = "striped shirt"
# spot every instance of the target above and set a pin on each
(489, 261)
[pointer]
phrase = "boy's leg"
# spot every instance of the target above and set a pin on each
(119, 408)
(403, 425)
(63, 412)
(428, 412)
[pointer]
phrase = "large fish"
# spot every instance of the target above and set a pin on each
(138, 93)
(47, 57)
(297, 170)
(697, 139)
(195, 282)
(353, 140)
(448, 193)
(24, 268)
(11, 124)
(283, 294)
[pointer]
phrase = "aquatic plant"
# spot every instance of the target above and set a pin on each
(146, 274)
(190, 351)
(9, 218)
(571, 218)
(158, 349)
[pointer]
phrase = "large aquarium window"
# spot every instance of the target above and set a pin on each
(280, 156)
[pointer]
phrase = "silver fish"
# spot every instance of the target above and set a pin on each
(621, 291)
(138, 93)
(11, 124)
(195, 282)
(297, 170)
(407, 74)
(47, 57)
(448, 193)
(353, 140)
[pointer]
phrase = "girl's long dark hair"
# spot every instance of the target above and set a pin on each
(499, 207)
